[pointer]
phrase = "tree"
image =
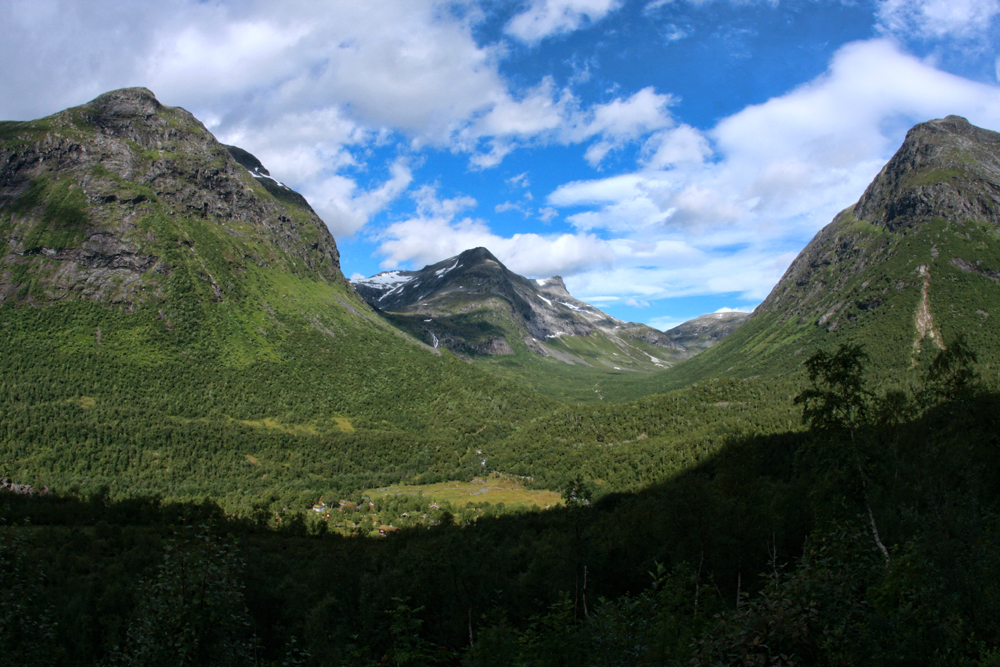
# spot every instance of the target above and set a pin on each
(193, 612)
(26, 625)
(838, 398)
(577, 492)
(953, 374)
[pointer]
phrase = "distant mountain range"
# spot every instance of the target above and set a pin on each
(473, 305)
(703, 332)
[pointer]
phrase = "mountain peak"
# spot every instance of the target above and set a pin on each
(555, 282)
(479, 254)
(96, 199)
(127, 102)
(473, 304)
(945, 168)
(913, 263)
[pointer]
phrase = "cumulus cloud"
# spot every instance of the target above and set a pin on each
(436, 233)
(547, 213)
(681, 145)
(310, 88)
(545, 18)
(936, 19)
(345, 207)
(547, 114)
(749, 192)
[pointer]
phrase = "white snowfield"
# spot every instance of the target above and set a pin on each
(384, 279)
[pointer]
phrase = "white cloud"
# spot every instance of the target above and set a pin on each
(640, 114)
(345, 207)
(651, 7)
(620, 121)
(680, 145)
(553, 17)
(742, 197)
(547, 214)
(542, 109)
(963, 19)
(546, 114)
(435, 233)
(521, 180)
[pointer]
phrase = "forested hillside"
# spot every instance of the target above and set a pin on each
(870, 538)
(172, 326)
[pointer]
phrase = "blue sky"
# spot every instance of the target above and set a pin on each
(667, 158)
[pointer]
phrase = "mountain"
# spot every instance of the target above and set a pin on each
(174, 320)
(473, 305)
(107, 200)
(913, 264)
(703, 332)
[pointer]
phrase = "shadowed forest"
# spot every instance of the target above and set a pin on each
(870, 537)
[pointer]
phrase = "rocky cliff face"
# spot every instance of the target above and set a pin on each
(91, 198)
(947, 168)
(473, 304)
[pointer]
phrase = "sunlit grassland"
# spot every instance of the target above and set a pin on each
(492, 489)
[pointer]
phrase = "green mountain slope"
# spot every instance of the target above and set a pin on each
(169, 325)
(908, 268)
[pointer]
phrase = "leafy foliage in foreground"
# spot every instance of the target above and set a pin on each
(764, 553)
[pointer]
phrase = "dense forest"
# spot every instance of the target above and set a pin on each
(866, 534)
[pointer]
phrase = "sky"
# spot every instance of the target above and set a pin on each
(667, 158)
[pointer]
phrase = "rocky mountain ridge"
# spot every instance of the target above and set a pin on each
(89, 198)
(473, 304)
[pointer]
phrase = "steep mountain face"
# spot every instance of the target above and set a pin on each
(906, 269)
(703, 332)
(174, 320)
(96, 201)
(473, 305)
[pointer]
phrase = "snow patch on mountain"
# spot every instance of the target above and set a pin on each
(441, 272)
(387, 279)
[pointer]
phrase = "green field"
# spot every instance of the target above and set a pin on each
(494, 490)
